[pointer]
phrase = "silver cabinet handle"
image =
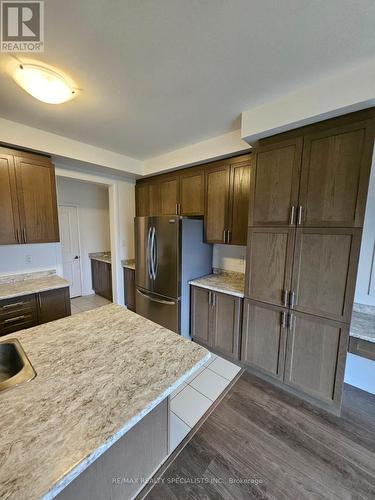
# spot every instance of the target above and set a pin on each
(15, 304)
(154, 299)
(292, 215)
(224, 236)
(17, 236)
(11, 320)
(214, 299)
(176, 208)
(284, 297)
(228, 236)
(24, 235)
(290, 321)
(209, 298)
(292, 299)
(299, 214)
(283, 319)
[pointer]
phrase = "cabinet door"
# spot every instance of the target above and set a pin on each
(105, 279)
(36, 191)
(226, 313)
(129, 281)
(275, 184)
(142, 208)
(169, 196)
(239, 202)
(200, 307)
(269, 264)
(335, 172)
(154, 198)
(192, 193)
(324, 271)
(9, 220)
(217, 180)
(53, 304)
(95, 275)
(264, 337)
(315, 356)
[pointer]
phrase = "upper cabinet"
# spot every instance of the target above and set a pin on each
(28, 199)
(318, 178)
(335, 172)
(275, 184)
(227, 200)
(218, 191)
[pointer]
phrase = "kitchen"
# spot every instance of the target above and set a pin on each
(228, 305)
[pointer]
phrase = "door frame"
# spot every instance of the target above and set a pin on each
(77, 207)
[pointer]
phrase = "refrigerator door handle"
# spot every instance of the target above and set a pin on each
(148, 256)
(154, 299)
(152, 252)
(155, 254)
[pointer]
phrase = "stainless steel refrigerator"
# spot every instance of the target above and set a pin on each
(169, 253)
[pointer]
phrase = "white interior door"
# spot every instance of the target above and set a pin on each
(69, 237)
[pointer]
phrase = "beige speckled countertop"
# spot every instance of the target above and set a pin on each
(23, 284)
(101, 256)
(363, 323)
(128, 263)
(98, 374)
(228, 282)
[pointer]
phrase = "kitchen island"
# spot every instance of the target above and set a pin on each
(99, 374)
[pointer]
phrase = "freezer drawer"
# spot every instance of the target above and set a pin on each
(159, 309)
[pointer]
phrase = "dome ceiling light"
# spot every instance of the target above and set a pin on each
(44, 84)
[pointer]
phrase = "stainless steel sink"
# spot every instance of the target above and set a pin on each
(15, 368)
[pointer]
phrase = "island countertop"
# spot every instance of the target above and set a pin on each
(98, 374)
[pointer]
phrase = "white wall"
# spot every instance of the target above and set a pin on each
(365, 288)
(229, 257)
(360, 372)
(15, 259)
(93, 212)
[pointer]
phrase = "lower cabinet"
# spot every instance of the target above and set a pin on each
(101, 274)
(305, 352)
(216, 321)
(129, 285)
(35, 309)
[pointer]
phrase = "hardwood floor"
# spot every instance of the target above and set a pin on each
(263, 443)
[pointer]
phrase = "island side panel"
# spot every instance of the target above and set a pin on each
(122, 470)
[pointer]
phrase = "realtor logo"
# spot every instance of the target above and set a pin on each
(22, 26)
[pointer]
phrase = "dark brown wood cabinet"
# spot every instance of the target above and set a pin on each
(129, 288)
(216, 321)
(28, 198)
(324, 271)
(227, 200)
(315, 357)
(101, 274)
(35, 309)
(335, 172)
(275, 183)
(53, 305)
(218, 191)
(264, 332)
(269, 264)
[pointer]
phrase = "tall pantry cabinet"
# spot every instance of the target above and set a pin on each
(307, 203)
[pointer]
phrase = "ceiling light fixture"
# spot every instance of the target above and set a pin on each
(44, 84)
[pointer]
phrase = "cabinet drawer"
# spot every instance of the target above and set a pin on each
(17, 322)
(17, 306)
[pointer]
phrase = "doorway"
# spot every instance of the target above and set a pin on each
(71, 248)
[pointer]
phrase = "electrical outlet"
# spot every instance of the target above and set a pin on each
(28, 259)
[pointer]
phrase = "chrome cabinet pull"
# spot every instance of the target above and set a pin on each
(176, 208)
(283, 319)
(17, 236)
(24, 235)
(11, 320)
(228, 236)
(299, 214)
(292, 299)
(209, 298)
(224, 236)
(284, 297)
(292, 215)
(290, 321)
(15, 304)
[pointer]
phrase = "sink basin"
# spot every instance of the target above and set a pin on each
(15, 368)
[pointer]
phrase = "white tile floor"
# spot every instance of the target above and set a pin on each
(190, 401)
(87, 302)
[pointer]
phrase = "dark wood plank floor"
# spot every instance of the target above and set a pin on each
(263, 443)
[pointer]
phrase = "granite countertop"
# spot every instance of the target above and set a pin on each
(98, 374)
(101, 256)
(17, 285)
(128, 263)
(228, 282)
(363, 323)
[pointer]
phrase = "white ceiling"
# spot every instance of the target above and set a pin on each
(161, 74)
